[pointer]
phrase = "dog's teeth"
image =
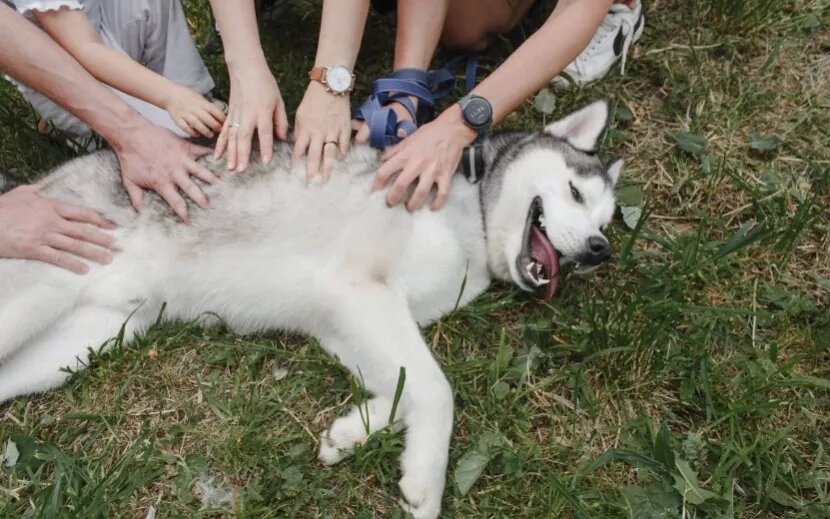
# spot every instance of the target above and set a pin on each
(543, 281)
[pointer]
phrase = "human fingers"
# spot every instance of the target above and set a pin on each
(444, 183)
(281, 121)
(265, 129)
(243, 145)
(199, 126)
(362, 135)
(78, 247)
(87, 233)
(385, 172)
(222, 141)
(60, 259)
(135, 193)
(188, 187)
(315, 155)
(330, 149)
(83, 214)
(425, 182)
(170, 194)
(233, 137)
(201, 172)
(345, 140)
(405, 179)
(183, 123)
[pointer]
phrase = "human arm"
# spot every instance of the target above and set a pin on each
(150, 157)
(322, 116)
(431, 155)
(255, 104)
(72, 30)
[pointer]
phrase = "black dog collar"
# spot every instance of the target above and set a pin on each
(472, 162)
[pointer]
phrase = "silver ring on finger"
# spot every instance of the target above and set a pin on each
(233, 126)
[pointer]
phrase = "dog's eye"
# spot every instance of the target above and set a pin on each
(575, 193)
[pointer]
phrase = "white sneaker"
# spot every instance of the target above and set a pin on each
(621, 27)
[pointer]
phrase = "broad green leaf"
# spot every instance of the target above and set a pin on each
(468, 470)
(622, 113)
(785, 498)
(500, 390)
(630, 195)
(771, 179)
(685, 481)
(513, 463)
(691, 144)
(655, 501)
(490, 440)
(631, 215)
(473, 463)
(545, 102)
(662, 448)
(762, 143)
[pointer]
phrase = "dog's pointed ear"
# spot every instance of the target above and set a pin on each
(614, 171)
(582, 128)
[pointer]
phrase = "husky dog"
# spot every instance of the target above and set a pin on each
(331, 260)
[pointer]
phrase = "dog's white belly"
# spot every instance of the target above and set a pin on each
(296, 283)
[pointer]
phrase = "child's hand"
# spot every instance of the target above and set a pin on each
(193, 113)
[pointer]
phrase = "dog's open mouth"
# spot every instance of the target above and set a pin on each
(538, 263)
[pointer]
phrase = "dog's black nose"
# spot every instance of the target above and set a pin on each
(599, 250)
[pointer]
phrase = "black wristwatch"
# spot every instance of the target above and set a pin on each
(476, 112)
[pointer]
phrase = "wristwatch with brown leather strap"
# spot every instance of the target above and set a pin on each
(338, 79)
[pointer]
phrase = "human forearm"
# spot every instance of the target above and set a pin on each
(73, 31)
(240, 35)
(563, 36)
(30, 56)
(341, 31)
(416, 41)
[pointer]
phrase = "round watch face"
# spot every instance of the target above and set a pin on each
(339, 79)
(478, 112)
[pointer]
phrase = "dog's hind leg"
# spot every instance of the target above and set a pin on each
(37, 366)
(33, 297)
(374, 334)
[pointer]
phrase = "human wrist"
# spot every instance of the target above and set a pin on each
(129, 131)
(454, 121)
(241, 62)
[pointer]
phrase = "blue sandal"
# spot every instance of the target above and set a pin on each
(427, 87)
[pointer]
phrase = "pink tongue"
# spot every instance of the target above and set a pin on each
(543, 252)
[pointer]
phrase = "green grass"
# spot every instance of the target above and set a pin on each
(689, 378)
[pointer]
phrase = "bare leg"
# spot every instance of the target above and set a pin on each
(472, 25)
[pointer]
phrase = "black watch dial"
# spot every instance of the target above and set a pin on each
(478, 113)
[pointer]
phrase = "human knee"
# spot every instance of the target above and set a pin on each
(467, 39)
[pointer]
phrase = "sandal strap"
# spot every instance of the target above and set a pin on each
(402, 84)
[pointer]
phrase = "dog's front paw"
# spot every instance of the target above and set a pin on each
(338, 441)
(421, 496)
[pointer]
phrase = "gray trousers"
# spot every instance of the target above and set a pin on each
(151, 32)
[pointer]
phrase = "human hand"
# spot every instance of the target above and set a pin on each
(255, 105)
(321, 128)
(193, 113)
(430, 156)
(39, 228)
(362, 128)
(153, 158)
